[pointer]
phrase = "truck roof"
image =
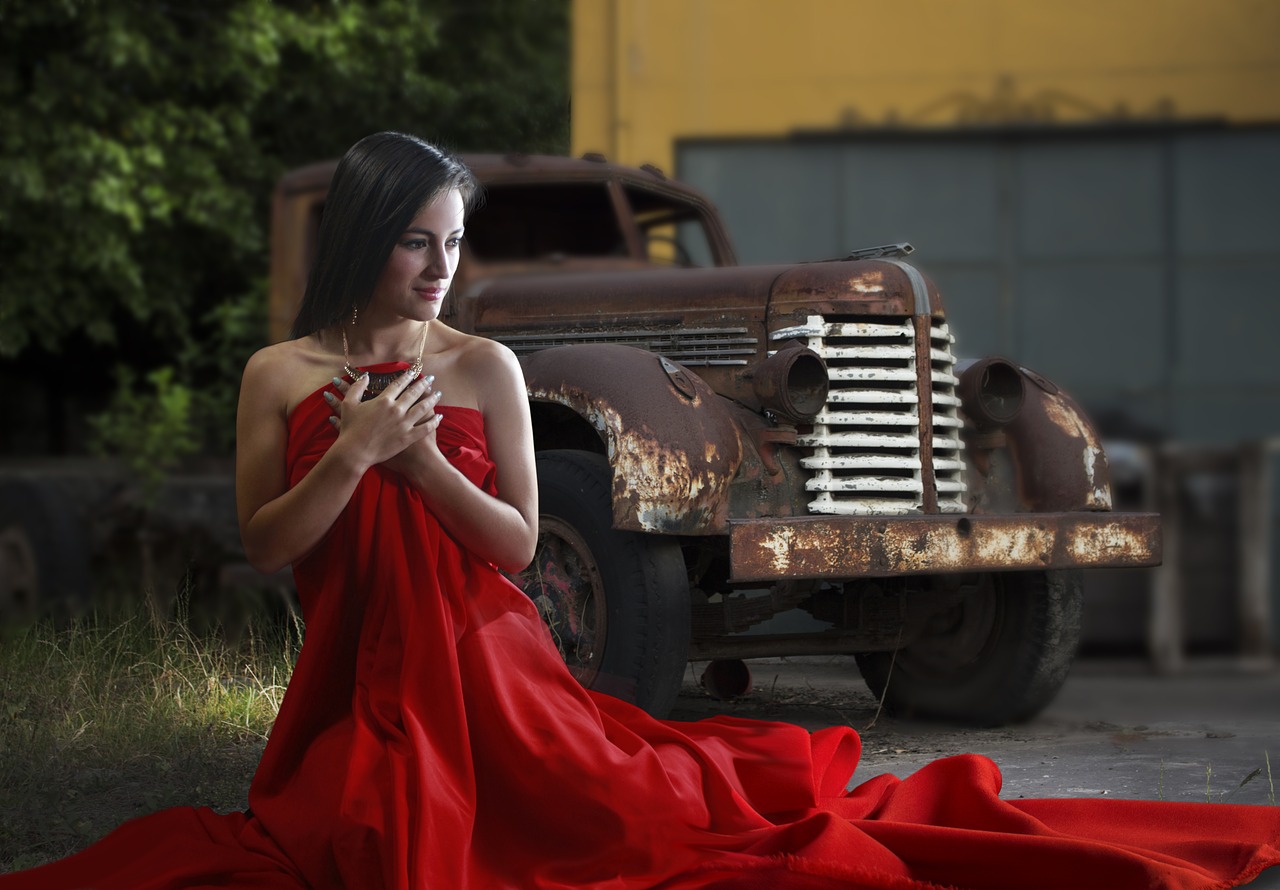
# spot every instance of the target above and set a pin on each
(492, 169)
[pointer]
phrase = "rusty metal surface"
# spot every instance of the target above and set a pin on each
(1057, 454)
(845, 547)
(673, 447)
(569, 296)
(839, 288)
(617, 296)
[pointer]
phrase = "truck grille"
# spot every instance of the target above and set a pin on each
(689, 346)
(867, 455)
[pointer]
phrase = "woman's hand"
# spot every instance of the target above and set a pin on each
(398, 420)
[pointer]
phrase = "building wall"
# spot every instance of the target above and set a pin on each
(647, 72)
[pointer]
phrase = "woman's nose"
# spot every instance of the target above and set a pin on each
(438, 264)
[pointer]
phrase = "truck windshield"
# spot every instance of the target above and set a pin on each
(528, 222)
(532, 222)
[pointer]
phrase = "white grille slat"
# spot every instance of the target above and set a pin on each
(865, 483)
(873, 375)
(865, 418)
(899, 353)
(862, 506)
(906, 442)
(864, 329)
(862, 462)
(871, 397)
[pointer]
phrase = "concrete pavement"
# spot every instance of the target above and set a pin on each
(1117, 729)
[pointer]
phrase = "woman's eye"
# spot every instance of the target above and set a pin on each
(415, 244)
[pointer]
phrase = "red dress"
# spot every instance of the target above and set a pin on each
(432, 738)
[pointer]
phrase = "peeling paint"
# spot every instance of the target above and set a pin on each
(673, 453)
(1095, 458)
(660, 480)
(871, 282)
(779, 544)
(1058, 457)
(845, 547)
(1066, 419)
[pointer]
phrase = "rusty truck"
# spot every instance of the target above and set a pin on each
(733, 461)
(720, 445)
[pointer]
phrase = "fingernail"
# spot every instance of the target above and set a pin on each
(328, 396)
(431, 378)
(338, 381)
(333, 420)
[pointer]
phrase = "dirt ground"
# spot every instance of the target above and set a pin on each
(1211, 732)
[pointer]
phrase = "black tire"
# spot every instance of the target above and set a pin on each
(44, 554)
(616, 602)
(998, 657)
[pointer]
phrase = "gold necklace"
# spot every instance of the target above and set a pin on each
(378, 382)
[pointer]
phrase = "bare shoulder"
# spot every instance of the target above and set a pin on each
(473, 347)
(279, 376)
(479, 371)
(262, 373)
(269, 359)
(486, 351)
(498, 369)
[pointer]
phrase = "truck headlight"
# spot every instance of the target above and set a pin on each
(792, 383)
(991, 392)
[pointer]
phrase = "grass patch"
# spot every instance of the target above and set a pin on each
(115, 716)
(1211, 796)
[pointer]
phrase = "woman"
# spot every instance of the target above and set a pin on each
(431, 736)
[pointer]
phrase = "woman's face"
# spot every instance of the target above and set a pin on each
(418, 273)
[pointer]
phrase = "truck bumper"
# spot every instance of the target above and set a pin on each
(880, 546)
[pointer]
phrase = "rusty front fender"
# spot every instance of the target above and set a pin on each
(1058, 458)
(671, 442)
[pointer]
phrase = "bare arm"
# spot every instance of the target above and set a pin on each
(278, 524)
(501, 529)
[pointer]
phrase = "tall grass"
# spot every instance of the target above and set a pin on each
(118, 715)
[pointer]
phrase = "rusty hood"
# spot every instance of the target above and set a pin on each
(563, 297)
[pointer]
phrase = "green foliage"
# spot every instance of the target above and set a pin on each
(151, 430)
(140, 141)
(234, 330)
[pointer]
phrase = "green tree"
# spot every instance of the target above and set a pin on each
(140, 139)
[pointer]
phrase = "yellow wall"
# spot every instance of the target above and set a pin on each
(647, 72)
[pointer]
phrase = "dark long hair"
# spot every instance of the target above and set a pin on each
(381, 184)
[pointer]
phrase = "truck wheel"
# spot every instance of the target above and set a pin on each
(44, 556)
(616, 602)
(997, 657)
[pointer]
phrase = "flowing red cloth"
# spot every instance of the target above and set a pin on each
(432, 738)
